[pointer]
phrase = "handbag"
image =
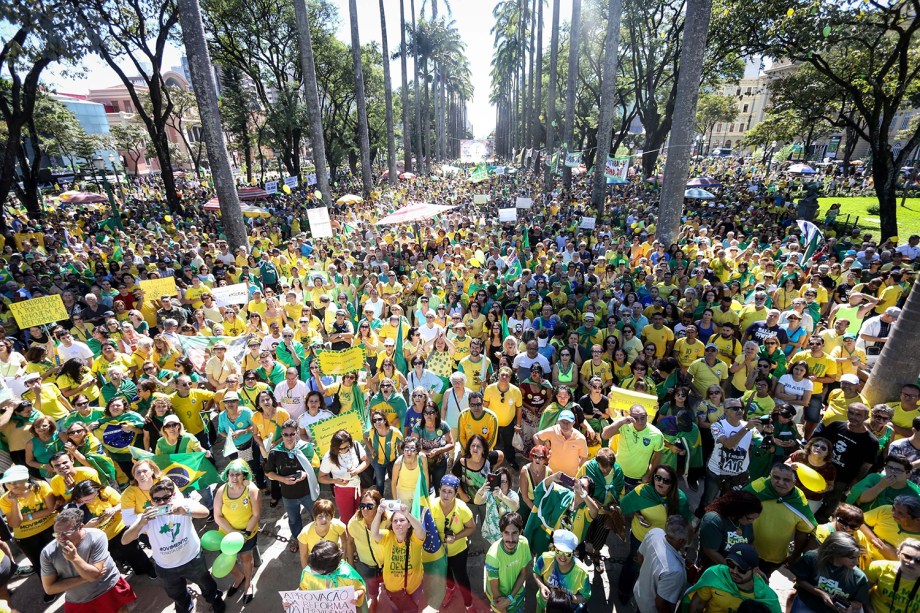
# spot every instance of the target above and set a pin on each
(517, 441)
(366, 475)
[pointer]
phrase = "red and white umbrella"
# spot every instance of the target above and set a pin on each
(86, 198)
(703, 182)
(414, 212)
(252, 193)
(406, 175)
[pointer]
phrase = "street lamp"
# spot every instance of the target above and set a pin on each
(99, 164)
(115, 170)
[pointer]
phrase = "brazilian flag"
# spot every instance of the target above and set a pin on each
(420, 510)
(189, 471)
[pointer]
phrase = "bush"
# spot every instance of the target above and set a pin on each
(873, 209)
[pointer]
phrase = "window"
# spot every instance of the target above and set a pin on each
(744, 109)
(747, 92)
(114, 105)
(128, 108)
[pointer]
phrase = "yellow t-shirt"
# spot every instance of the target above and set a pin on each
(370, 552)
(193, 295)
(750, 314)
(189, 409)
(113, 525)
(458, 517)
(837, 406)
(881, 576)
(503, 404)
(688, 352)
(310, 538)
(885, 527)
(34, 500)
(50, 405)
(821, 366)
(396, 564)
(661, 338)
(846, 367)
(720, 601)
(902, 418)
(58, 487)
(774, 529)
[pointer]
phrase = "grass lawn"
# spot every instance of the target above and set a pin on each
(908, 215)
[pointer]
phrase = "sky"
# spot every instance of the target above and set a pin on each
(473, 19)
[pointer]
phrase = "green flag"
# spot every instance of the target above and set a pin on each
(525, 239)
(399, 360)
(189, 471)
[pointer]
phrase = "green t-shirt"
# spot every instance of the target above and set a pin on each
(75, 417)
(885, 498)
(720, 533)
(574, 582)
(636, 448)
(506, 567)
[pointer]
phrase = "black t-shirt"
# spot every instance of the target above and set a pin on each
(851, 449)
(587, 408)
(285, 464)
(759, 331)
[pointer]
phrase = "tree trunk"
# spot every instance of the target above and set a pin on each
(531, 107)
(538, 85)
(202, 74)
(568, 131)
(608, 94)
(404, 93)
(388, 97)
(363, 135)
(885, 174)
(696, 31)
(551, 101)
(419, 153)
(311, 97)
(899, 361)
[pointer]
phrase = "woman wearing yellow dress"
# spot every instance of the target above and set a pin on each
(274, 313)
(237, 508)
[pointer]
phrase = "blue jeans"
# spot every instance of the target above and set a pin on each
(174, 581)
(292, 507)
(381, 471)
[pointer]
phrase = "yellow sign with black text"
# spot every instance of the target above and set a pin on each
(38, 311)
(341, 362)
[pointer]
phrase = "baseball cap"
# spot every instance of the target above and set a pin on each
(711, 346)
(893, 311)
(231, 395)
(567, 416)
(564, 541)
(849, 337)
(171, 419)
(744, 555)
(388, 342)
(849, 378)
(220, 345)
(17, 472)
(31, 377)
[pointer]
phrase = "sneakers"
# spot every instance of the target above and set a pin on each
(219, 605)
(24, 571)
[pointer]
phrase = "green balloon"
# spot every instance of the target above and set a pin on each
(232, 543)
(211, 539)
(223, 564)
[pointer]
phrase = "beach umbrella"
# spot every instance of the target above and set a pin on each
(698, 194)
(350, 199)
(252, 193)
(419, 211)
(406, 175)
(801, 169)
(86, 198)
(703, 182)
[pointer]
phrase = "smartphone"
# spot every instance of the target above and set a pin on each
(166, 509)
(566, 481)
(390, 505)
(494, 480)
(841, 603)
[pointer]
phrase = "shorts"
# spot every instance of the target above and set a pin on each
(814, 408)
(249, 544)
(118, 596)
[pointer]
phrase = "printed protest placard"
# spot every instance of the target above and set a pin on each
(335, 600)
(587, 223)
(320, 224)
(271, 187)
(523, 203)
(507, 215)
(480, 198)
(621, 399)
(290, 182)
(237, 293)
(38, 311)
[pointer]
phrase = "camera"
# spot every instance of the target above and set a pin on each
(494, 480)
(390, 505)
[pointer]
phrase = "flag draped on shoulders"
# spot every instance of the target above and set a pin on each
(719, 578)
(795, 501)
(645, 496)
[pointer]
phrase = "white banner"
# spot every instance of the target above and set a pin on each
(507, 215)
(320, 224)
(271, 187)
(310, 179)
(588, 223)
(480, 198)
(237, 293)
(291, 182)
(334, 600)
(523, 203)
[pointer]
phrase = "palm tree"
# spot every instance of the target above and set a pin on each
(899, 361)
(568, 134)
(311, 97)
(538, 85)
(202, 73)
(608, 94)
(388, 98)
(407, 131)
(419, 129)
(551, 100)
(677, 167)
(363, 134)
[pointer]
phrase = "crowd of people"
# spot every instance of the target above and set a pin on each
(529, 394)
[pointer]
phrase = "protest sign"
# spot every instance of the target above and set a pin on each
(320, 224)
(290, 182)
(321, 432)
(154, 288)
(237, 293)
(621, 399)
(480, 198)
(334, 600)
(38, 311)
(523, 203)
(271, 187)
(587, 223)
(507, 215)
(341, 362)
(310, 179)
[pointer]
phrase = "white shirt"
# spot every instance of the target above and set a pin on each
(173, 539)
(725, 461)
(663, 572)
(292, 399)
(346, 462)
(429, 333)
(76, 350)
(270, 340)
(909, 252)
(377, 305)
(799, 388)
(305, 420)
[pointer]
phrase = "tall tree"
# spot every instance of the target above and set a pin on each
(404, 90)
(132, 138)
(238, 110)
(899, 362)
(388, 96)
(551, 101)
(202, 73)
(139, 31)
(608, 94)
(363, 136)
(677, 167)
(712, 108)
(35, 34)
(537, 137)
(420, 130)
(311, 95)
(568, 133)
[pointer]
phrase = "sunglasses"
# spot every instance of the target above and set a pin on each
(565, 554)
(378, 420)
(366, 506)
(848, 525)
(662, 480)
(735, 566)
(429, 412)
(288, 434)
(82, 404)
(161, 499)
